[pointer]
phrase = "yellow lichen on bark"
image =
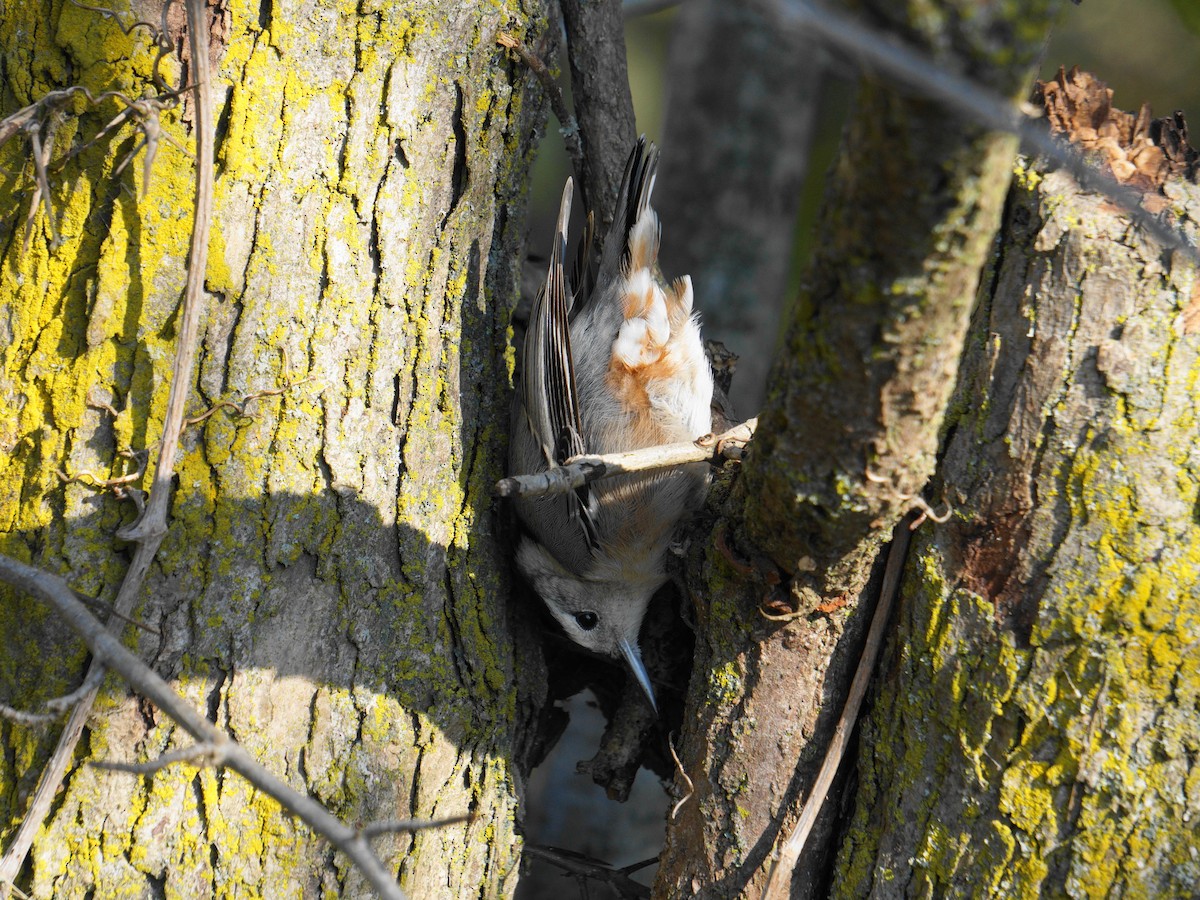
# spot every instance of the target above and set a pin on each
(1037, 734)
(330, 591)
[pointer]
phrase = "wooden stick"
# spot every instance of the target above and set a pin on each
(581, 470)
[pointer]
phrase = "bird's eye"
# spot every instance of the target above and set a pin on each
(587, 620)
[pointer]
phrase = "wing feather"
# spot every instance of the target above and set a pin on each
(551, 397)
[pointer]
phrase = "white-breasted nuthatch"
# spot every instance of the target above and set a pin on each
(613, 363)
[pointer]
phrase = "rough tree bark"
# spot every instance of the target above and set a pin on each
(1036, 728)
(595, 34)
(331, 590)
(848, 434)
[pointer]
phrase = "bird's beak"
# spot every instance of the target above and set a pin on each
(634, 658)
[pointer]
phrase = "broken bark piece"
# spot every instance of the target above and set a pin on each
(1171, 134)
(1138, 149)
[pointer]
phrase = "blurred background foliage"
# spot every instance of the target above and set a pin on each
(1147, 51)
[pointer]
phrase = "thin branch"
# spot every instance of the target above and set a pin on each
(986, 107)
(41, 194)
(23, 717)
(587, 867)
(928, 512)
(110, 652)
(149, 529)
(81, 694)
(391, 826)
(53, 709)
(691, 788)
(241, 406)
(93, 480)
(37, 122)
(568, 127)
(586, 469)
(27, 117)
(145, 115)
(140, 458)
(779, 880)
(205, 752)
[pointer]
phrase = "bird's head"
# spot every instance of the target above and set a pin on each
(603, 616)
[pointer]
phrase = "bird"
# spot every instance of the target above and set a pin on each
(613, 360)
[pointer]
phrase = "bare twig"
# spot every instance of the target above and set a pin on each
(101, 404)
(81, 694)
(28, 719)
(37, 121)
(585, 469)
(969, 98)
(691, 788)
(915, 503)
(41, 193)
(927, 512)
(54, 708)
(134, 495)
(148, 530)
(595, 869)
(240, 406)
(92, 480)
(145, 115)
(790, 848)
(567, 126)
(141, 457)
(110, 652)
(205, 753)
(28, 117)
(391, 826)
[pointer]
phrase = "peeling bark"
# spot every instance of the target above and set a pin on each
(331, 590)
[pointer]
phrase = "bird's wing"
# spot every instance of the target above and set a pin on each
(583, 272)
(550, 396)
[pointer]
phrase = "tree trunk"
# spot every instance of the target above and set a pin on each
(1036, 729)
(331, 590)
(848, 436)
